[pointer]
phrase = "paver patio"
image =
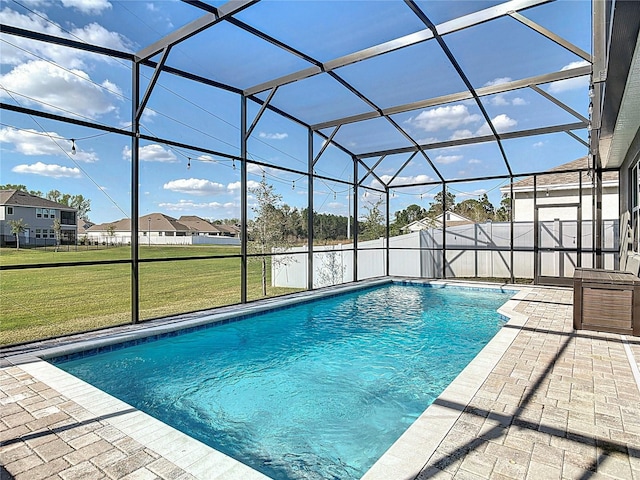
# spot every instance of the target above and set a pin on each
(558, 404)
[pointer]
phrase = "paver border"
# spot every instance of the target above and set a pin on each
(404, 459)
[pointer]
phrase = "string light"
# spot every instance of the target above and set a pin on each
(188, 163)
(233, 163)
(293, 185)
(334, 195)
(73, 146)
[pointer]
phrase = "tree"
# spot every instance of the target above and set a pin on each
(435, 207)
(81, 204)
(57, 229)
(503, 213)
(111, 231)
(17, 227)
(267, 229)
(405, 217)
(20, 187)
(373, 222)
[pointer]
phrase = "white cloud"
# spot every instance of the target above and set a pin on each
(48, 170)
(273, 136)
(474, 194)
(447, 159)
(32, 143)
(227, 209)
(571, 83)
(400, 180)
(500, 122)
(151, 153)
(538, 144)
(152, 8)
(195, 186)
(498, 81)
(90, 7)
(499, 100)
(459, 134)
(57, 90)
(232, 187)
(148, 115)
(502, 100)
(474, 161)
(18, 50)
(449, 117)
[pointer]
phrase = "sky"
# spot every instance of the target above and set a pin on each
(37, 152)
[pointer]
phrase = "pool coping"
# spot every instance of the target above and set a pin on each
(404, 459)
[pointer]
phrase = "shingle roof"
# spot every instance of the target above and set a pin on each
(157, 222)
(564, 178)
(24, 199)
(200, 224)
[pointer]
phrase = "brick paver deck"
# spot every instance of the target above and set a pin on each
(558, 404)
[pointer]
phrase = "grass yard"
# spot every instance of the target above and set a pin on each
(45, 302)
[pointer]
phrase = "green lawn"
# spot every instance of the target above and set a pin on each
(44, 302)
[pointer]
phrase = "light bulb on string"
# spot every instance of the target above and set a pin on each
(334, 195)
(188, 163)
(233, 163)
(293, 185)
(73, 146)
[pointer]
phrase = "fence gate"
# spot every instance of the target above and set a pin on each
(557, 242)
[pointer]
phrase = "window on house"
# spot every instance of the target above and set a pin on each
(9, 210)
(38, 233)
(52, 213)
(168, 234)
(39, 212)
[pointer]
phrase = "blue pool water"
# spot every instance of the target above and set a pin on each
(319, 390)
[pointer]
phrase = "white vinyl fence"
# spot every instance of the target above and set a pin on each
(472, 251)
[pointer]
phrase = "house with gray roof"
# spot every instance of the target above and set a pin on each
(160, 229)
(38, 214)
(561, 186)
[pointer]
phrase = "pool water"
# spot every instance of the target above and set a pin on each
(319, 390)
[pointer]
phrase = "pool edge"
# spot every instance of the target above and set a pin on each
(205, 462)
(408, 455)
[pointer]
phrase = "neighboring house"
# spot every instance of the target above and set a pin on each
(562, 188)
(200, 226)
(229, 230)
(160, 229)
(451, 219)
(38, 214)
(152, 228)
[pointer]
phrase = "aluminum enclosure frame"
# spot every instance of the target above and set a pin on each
(432, 32)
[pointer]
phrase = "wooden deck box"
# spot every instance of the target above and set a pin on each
(606, 301)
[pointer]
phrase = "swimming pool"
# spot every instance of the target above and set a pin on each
(316, 390)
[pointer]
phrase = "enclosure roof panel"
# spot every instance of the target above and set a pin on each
(371, 77)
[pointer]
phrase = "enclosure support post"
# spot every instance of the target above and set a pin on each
(243, 200)
(513, 276)
(386, 234)
(444, 230)
(598, 215)
(579, 225)
(536, 232)
(354, 227)
(310, 211)
(135, 180)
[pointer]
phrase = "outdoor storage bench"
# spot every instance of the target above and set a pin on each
(606, 301)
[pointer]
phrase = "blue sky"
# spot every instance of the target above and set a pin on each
(37, 152)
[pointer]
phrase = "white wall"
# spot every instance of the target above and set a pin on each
(418, 254)
(523, 204)
(124, 238)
